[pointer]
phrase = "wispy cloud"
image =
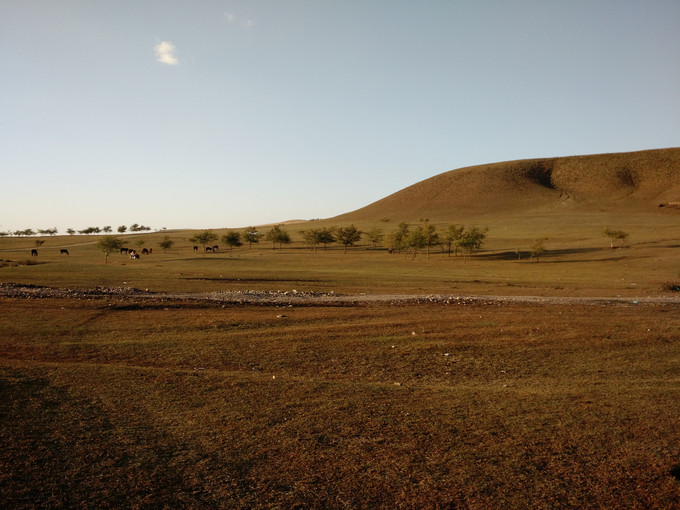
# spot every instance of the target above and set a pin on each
(233, 18)
(165, 53)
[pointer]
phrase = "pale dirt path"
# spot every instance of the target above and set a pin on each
(279, 298)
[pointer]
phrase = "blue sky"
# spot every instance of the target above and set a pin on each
(209, 114)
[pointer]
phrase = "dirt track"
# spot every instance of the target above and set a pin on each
(295, 298)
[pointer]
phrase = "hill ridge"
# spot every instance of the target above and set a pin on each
(640, 180)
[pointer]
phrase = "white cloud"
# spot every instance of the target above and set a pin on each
(230, 17)
(165, 53)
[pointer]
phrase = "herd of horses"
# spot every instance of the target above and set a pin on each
(130, 251)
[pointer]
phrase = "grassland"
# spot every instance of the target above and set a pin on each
(121, 402)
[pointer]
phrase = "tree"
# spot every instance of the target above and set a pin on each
(70, 231)
(375, 235)
(232, 239)
(166, 244)
(277, 235)
(453, 236)
(416, 240)
(396, 240)
(431, 236)
(472, 240)
(615, 235)
(310, 238)
(348, 236)
(39, 243)
(203, 238)
(325, 236)
(122, 229)
(106, 229)
(538, 248)
(251, 236)
(109, 244)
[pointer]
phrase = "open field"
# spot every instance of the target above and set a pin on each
(115, 403)
(301, 378)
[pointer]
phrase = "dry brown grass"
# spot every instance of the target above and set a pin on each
(110, 404)
(635, 182)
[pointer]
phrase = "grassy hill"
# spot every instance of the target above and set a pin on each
(635, 182)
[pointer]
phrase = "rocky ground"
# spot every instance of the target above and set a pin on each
(297, 298)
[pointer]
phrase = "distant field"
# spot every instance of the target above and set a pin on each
(572, 265)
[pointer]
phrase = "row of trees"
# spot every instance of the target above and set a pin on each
(29, 232)
(405, 238)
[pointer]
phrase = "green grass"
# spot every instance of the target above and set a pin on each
(109, 404)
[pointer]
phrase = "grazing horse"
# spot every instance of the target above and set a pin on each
(215, 248)
(34, 252)
(63, 252)
(208, 248)
(123, 251)
(145, 251)
(195, 248)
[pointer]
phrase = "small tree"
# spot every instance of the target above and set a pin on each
(416, 240)
(251, 236)
(453, 236)
(166, 244)
(325, 236)
(39, 243)
(538, 248)
(70, 231)
(431, 236)
(106, 229)
(348, 236)
(122, 229)
(375, 235)
(204, 238)
(277, 235)
(109, 244)
(472, 240)
(615, 235)
(396, 240)
(232, 239)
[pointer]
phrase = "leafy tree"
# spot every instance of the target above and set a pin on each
(325, 236)
(416, 240)
(106, 229)
(453, 236)
(39, 243)
(251, 236)
(615, 235)
(278, 235)
(70, 231)
(90, 230)
(5, 234)
(49, 231)
(538, 248)
(122, 229)
(472, 240)
(109, 244)
(431, 236)
(396, 240)
(310, 238)
(318, 236)
(203, 238)
(375, 235)
(232, 239)
(166, 244)
(348, 236)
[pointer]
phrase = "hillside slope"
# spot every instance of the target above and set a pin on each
(634, 181)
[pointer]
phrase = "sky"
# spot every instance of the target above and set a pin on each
(212, 114)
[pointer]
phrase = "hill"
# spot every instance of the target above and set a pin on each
(631, 182)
